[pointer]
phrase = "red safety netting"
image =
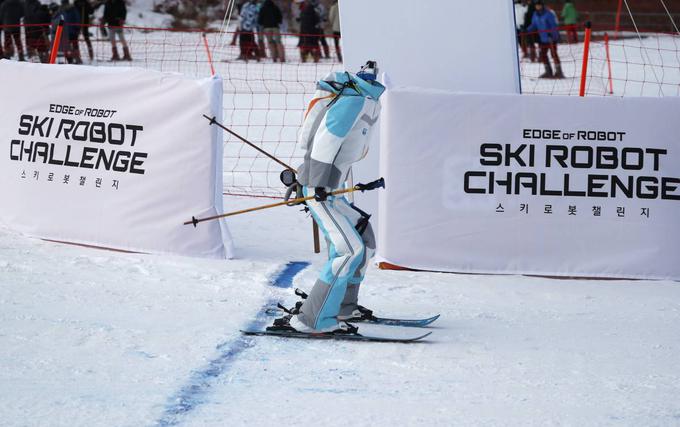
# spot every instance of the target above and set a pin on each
(619, 64)
(265, 100)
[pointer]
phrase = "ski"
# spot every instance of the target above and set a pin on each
(336, 337)
(411, 323)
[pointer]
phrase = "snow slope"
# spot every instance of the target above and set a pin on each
(96, 338)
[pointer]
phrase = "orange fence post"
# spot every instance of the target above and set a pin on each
(57, 40)
(618, 19)
(609, 64)
(207, 49)
(586, 51)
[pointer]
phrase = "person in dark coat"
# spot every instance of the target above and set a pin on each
(69, 38)
(270, 19)
(323, 18)
(72, 31)
(11, 12)
(37, 20)
(85, 10)
(115, 13)
(309, 30)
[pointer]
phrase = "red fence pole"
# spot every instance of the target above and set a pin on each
(617, 27)
(207, 49)
(57, 40)
(586, 51)
(609, 64)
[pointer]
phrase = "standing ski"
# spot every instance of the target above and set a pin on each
(337, 336)
(361, 314)
(412, 323)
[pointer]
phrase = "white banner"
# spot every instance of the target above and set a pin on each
(435, 44)
(112, 157)
(530, 184)
(439, 44)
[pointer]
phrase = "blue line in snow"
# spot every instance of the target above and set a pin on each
(285, 278)
(195, 392)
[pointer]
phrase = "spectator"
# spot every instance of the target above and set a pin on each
(2, 53)
(234, 38)
(85, 10)
(520, 13)
(37, 19)
(545, 23)
(261, 49)
(115, 13)
(323, 18)
(530, 38)
(570, 19)
(72, 31)
(270, 20)
(11, 12)
(309, 38)
(295, 10)
(334, 18)
(69, 38)
(247, 29)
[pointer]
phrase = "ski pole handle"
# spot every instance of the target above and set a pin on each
(378, 183)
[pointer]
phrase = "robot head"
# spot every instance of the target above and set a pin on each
(368, 72)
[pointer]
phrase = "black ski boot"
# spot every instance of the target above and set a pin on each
(558, 72)
(360, 314)
(282, 324)
(548, 72)
(366, 314)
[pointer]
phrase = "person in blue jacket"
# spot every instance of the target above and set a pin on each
(545, 23)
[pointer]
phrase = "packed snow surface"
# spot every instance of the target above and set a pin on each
(98, 338)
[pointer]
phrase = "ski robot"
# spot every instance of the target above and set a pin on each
(336, 134)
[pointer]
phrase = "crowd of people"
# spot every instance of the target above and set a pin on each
(40, 21)
(537, 24)
(261, 21)
(259, 29)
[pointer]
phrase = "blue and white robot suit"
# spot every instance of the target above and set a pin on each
(335, 134)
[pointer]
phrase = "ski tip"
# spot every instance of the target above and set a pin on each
(422, 336)
(428, 321)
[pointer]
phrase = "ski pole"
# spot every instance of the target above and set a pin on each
(288, 175)
(215, 122)
(380, 183)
